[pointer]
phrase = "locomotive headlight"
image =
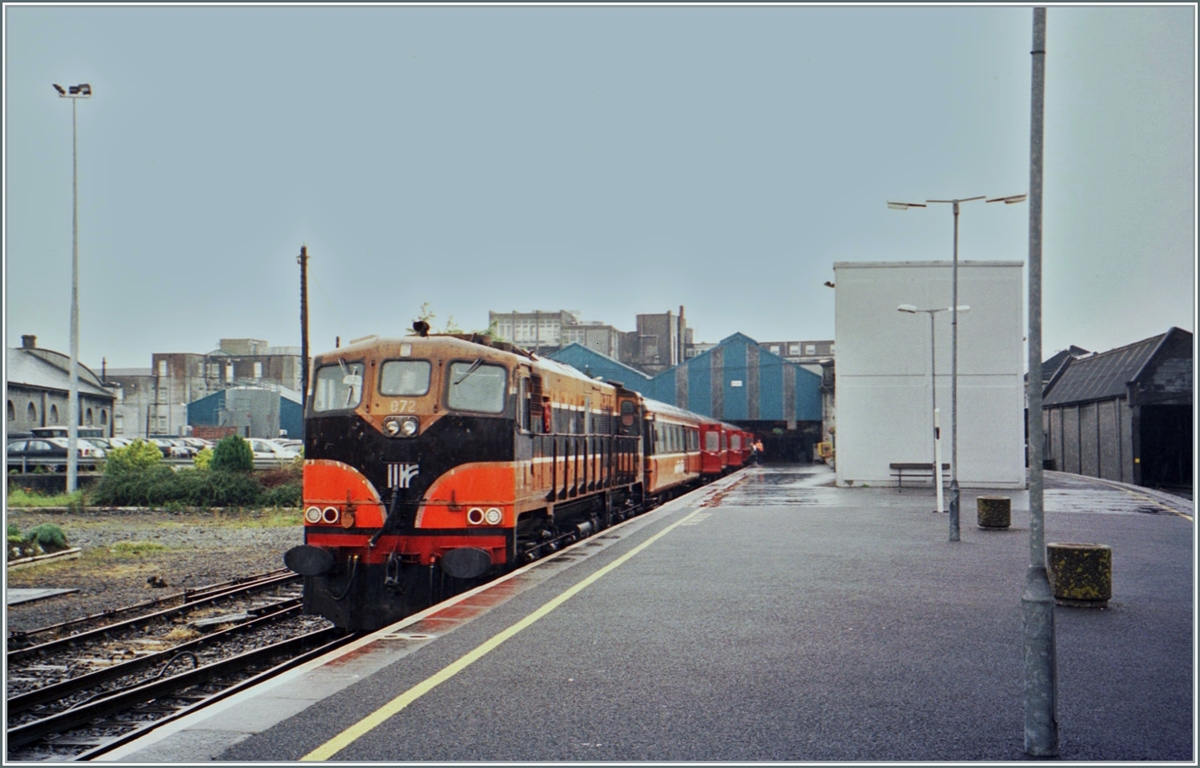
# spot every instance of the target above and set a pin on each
(493, 516)
(312, 515)
(401, 426)
(475, 516)
(330, 515)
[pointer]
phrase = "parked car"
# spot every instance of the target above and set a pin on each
(171, 450)
(270, 450)
(198, 443)
(121, 442)
(48, 451)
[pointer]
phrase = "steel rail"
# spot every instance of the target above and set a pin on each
(17, 638)
(50, 645)
(62, 689)
(62, 722)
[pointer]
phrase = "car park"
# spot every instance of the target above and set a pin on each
(48, 451)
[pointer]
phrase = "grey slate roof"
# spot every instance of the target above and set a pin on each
(1102, 376)
(34, 370)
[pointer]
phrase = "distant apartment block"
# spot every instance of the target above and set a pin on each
(660, 341)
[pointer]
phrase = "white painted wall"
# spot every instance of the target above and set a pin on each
(883, 370)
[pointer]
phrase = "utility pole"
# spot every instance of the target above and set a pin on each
(1037, 601)
(303, 261)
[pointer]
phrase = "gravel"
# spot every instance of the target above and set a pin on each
(184, 550)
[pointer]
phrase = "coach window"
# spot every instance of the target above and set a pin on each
(338, 387)
(477, 387)
(404, 378)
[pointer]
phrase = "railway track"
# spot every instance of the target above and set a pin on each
(85, 692)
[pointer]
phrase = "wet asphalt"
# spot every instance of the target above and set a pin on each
(777, 618)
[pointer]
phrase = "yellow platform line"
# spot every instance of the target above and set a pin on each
(396, 705)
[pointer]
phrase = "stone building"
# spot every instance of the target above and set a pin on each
(37, 388)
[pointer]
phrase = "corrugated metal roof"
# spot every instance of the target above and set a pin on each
(33, 371)
(1102, 376)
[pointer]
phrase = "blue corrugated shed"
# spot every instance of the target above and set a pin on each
(737, 380)
(207, 411)
(596, 365)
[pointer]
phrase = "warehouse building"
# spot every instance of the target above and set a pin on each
(1125, 414)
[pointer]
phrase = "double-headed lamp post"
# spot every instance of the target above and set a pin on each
(954, 491)
(937, 473)
(74, 93)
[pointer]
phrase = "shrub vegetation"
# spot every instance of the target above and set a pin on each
(232, 454)
(138, 477)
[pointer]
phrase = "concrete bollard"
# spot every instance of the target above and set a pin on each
(994, 511)
(1080, 574)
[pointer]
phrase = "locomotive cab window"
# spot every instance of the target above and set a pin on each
(404, 378)
(477, 387)
(338, 387)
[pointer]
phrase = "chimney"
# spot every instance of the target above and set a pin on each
(28, 342)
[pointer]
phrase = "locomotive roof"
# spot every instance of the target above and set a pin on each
(465, 346)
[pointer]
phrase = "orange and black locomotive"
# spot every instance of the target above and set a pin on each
(433, 463)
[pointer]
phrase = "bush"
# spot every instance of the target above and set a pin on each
(221, 489)
(232, 454)
(150, 487)
(287, 495)
(133, 458)
(187, 487)
(48, 536)
(273, 478)
(203, 459)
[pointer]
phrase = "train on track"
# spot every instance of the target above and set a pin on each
(434, 463)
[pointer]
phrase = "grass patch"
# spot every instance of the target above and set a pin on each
(259, 518)
(134, 548)
(19, 497)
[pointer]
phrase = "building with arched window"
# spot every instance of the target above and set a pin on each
(37, 390)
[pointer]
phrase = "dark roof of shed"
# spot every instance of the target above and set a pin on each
(1051, 365)
(1102, 376)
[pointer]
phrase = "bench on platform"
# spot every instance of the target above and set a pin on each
(912, 469)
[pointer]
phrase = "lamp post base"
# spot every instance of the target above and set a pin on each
(1041, 696)
(954, 499)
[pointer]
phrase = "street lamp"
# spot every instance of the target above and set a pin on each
(933, 411)
(954, 490)
(74, 93)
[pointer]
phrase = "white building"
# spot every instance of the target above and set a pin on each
(884, 399)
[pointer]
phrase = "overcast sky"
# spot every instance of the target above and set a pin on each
(610, 160)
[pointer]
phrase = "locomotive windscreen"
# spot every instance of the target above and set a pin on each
(477, 387)
(338, 387)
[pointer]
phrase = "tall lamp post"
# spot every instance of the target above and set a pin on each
(954, 491)
(74, 93)
(911, 309)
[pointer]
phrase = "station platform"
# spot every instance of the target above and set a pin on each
(769, 616)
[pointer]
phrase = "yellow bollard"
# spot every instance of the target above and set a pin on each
(1080, 574)
(994, 511)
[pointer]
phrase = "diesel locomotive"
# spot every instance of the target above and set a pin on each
(436, 462)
